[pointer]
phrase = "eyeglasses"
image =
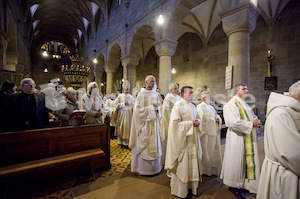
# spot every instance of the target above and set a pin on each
(31, 85)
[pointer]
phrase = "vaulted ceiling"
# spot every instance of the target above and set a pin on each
(71, 21)
(204, 18)
(66, 21)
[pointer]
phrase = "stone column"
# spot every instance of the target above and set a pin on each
(98, 73)
(11, 61)
(125, 73)
(165, 49)
(110, 70)
(3, 46)
(129, 69)
(238, 23)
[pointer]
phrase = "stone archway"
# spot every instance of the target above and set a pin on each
(181, 10)
(142, 42)
(114, 60)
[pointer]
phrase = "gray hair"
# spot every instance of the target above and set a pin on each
(294, 89)
(237, 87)
(204, 93)
(26, 80)
(171, 86)
(69, 90)
(148, 77)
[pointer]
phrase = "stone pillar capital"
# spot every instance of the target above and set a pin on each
(165, 47)
(130, 61)
(109, 68)
(98, 71)
(241, 17)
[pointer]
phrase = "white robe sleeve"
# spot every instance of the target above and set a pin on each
(176, 139)
(233, 120)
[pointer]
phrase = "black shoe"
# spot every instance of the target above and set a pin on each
(237, 193)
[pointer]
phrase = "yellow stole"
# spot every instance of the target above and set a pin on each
(249, 164)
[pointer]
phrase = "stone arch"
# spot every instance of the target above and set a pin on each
(181, 10)
(98, 71)
(114, 57)
(113, 63)
(142, 42)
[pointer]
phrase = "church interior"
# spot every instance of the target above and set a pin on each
(214, 44)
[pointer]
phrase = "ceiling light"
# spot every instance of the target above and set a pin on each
(173, 71)
(95, 61)
(160, 19)
(45, 54)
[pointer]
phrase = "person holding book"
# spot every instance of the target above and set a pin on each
(71, 116)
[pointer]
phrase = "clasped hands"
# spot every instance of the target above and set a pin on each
(196, 123)
(256, 123)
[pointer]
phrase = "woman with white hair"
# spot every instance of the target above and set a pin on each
(66, 115)
(92, 103)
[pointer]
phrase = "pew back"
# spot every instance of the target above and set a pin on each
(24, 146)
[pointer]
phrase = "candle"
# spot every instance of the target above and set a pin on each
(269, 53)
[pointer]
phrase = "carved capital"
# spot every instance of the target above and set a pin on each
(110, 68)
(241, 17)
(165, 47)
(130, 61)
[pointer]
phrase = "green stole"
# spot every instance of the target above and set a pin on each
(249, 164)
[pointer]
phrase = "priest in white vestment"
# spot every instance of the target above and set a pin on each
(210, 140)
(240, 168)
(123, 115)
(281, 167)
(168, 104)
(146, 135)
(109, 103)
(92, 103)
(184, 153)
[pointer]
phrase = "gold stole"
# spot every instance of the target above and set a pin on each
(248, 145)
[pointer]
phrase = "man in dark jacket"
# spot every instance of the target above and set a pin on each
(26, 110)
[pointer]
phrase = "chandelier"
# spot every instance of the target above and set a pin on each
(75, 73)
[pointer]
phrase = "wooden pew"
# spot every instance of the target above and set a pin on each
(45, 153)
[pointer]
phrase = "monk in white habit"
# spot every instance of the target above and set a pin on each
(168, 104)
(184, 153)
(281, 167)
(146, 135)
(92, 103)
(123, 115)
(210, 140)
(240, 168)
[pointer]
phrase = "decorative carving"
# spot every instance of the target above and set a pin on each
(239, 18)
(130, 60)
(110, 68)
(166, 47)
